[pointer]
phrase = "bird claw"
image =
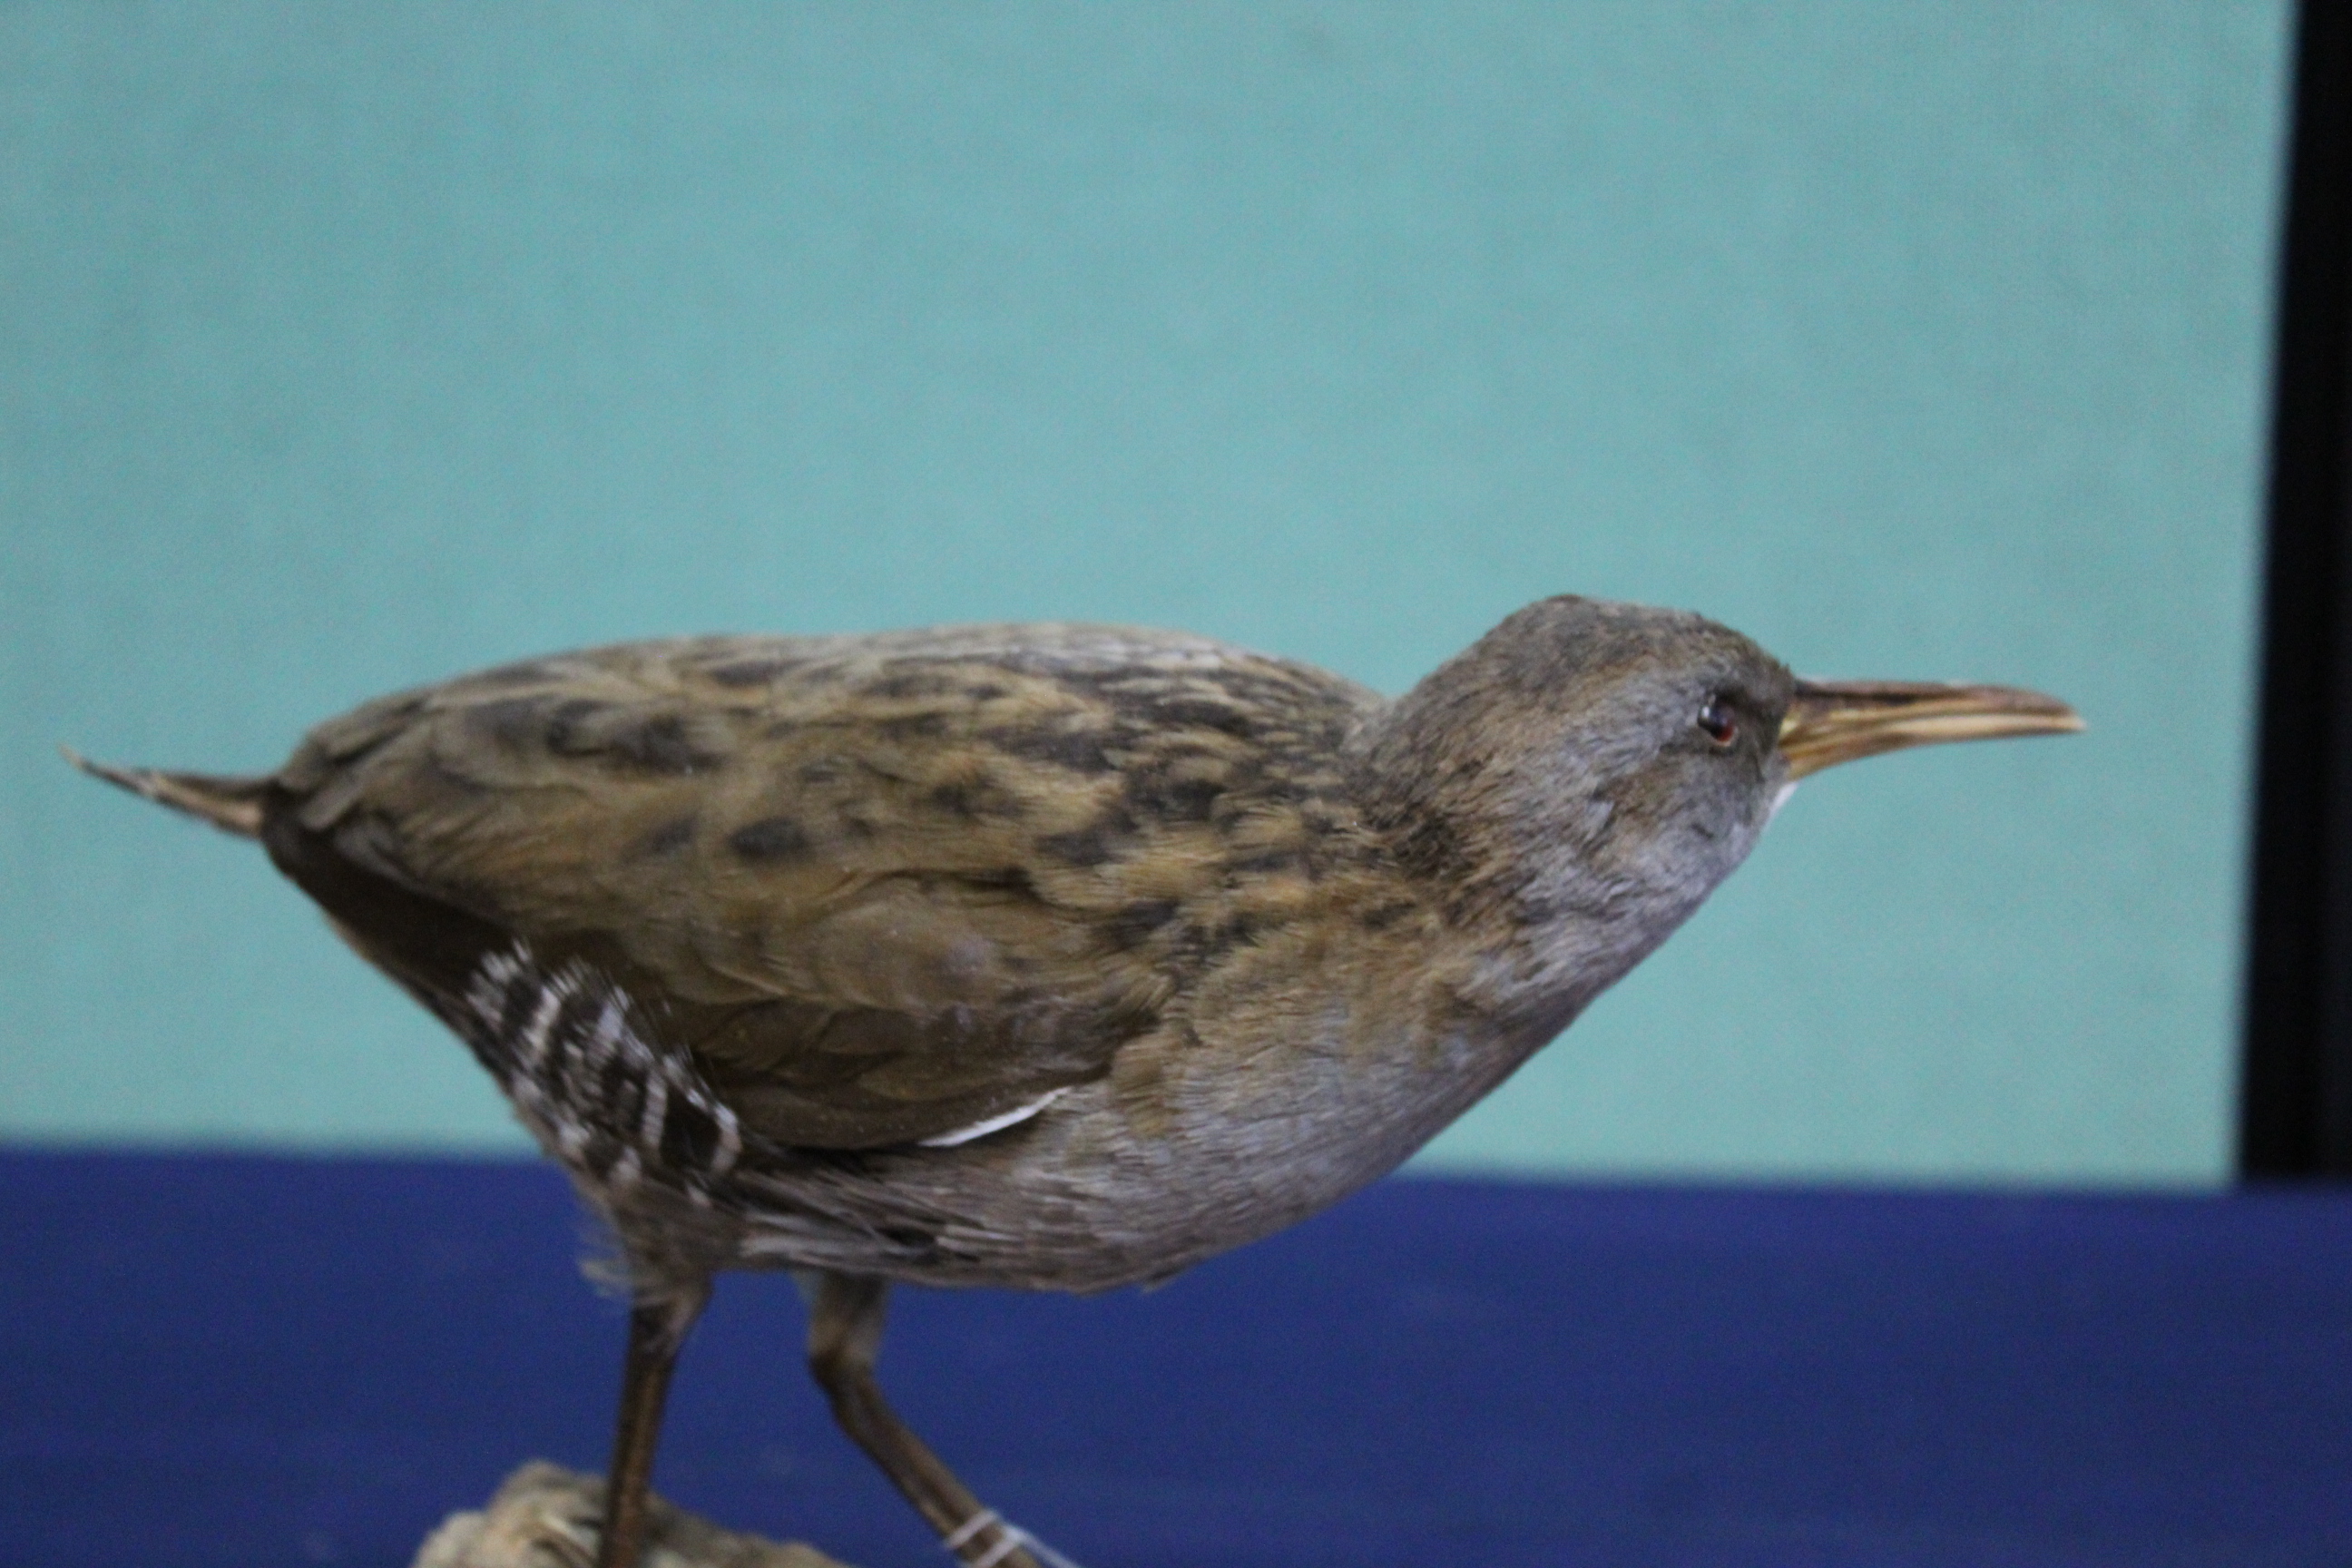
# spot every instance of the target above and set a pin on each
(571, 1541)
(567, 1553)
(1009, 1538)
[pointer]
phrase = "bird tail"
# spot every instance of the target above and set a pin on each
(231, 805)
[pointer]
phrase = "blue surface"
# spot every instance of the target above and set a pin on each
(250, 1362)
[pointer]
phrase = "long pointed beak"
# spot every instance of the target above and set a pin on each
(1834, 721)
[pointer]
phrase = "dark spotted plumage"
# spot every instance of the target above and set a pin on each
(874, 889)
(1055, 957)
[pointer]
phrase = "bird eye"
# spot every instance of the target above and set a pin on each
(1716, 721)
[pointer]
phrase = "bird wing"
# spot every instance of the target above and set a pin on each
(883, 889)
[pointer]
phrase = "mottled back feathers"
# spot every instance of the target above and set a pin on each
(882, 888)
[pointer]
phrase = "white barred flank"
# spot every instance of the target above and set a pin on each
(597, 1095)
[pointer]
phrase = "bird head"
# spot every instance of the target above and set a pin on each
(1589, 772)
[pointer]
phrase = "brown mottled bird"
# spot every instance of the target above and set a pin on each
(1055, 957)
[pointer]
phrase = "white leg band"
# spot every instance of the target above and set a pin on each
(970, 1528)
(1011, 1537)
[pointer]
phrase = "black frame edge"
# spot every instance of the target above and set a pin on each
(2295, 1101)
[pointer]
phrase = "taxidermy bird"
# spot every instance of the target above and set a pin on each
(1057, 957)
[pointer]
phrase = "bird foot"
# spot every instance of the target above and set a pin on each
(1008, 1539)
(548, 1517)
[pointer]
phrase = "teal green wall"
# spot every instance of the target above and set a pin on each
(347, 346)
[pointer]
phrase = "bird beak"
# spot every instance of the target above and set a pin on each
(1834, 721)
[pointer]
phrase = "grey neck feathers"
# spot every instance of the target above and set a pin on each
(1545, 846)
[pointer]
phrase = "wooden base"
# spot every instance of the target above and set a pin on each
(547, 1517)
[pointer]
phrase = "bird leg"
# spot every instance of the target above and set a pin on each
(844, 1332)
(656, 1330)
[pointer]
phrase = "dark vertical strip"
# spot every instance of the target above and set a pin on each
(2295, 1114)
